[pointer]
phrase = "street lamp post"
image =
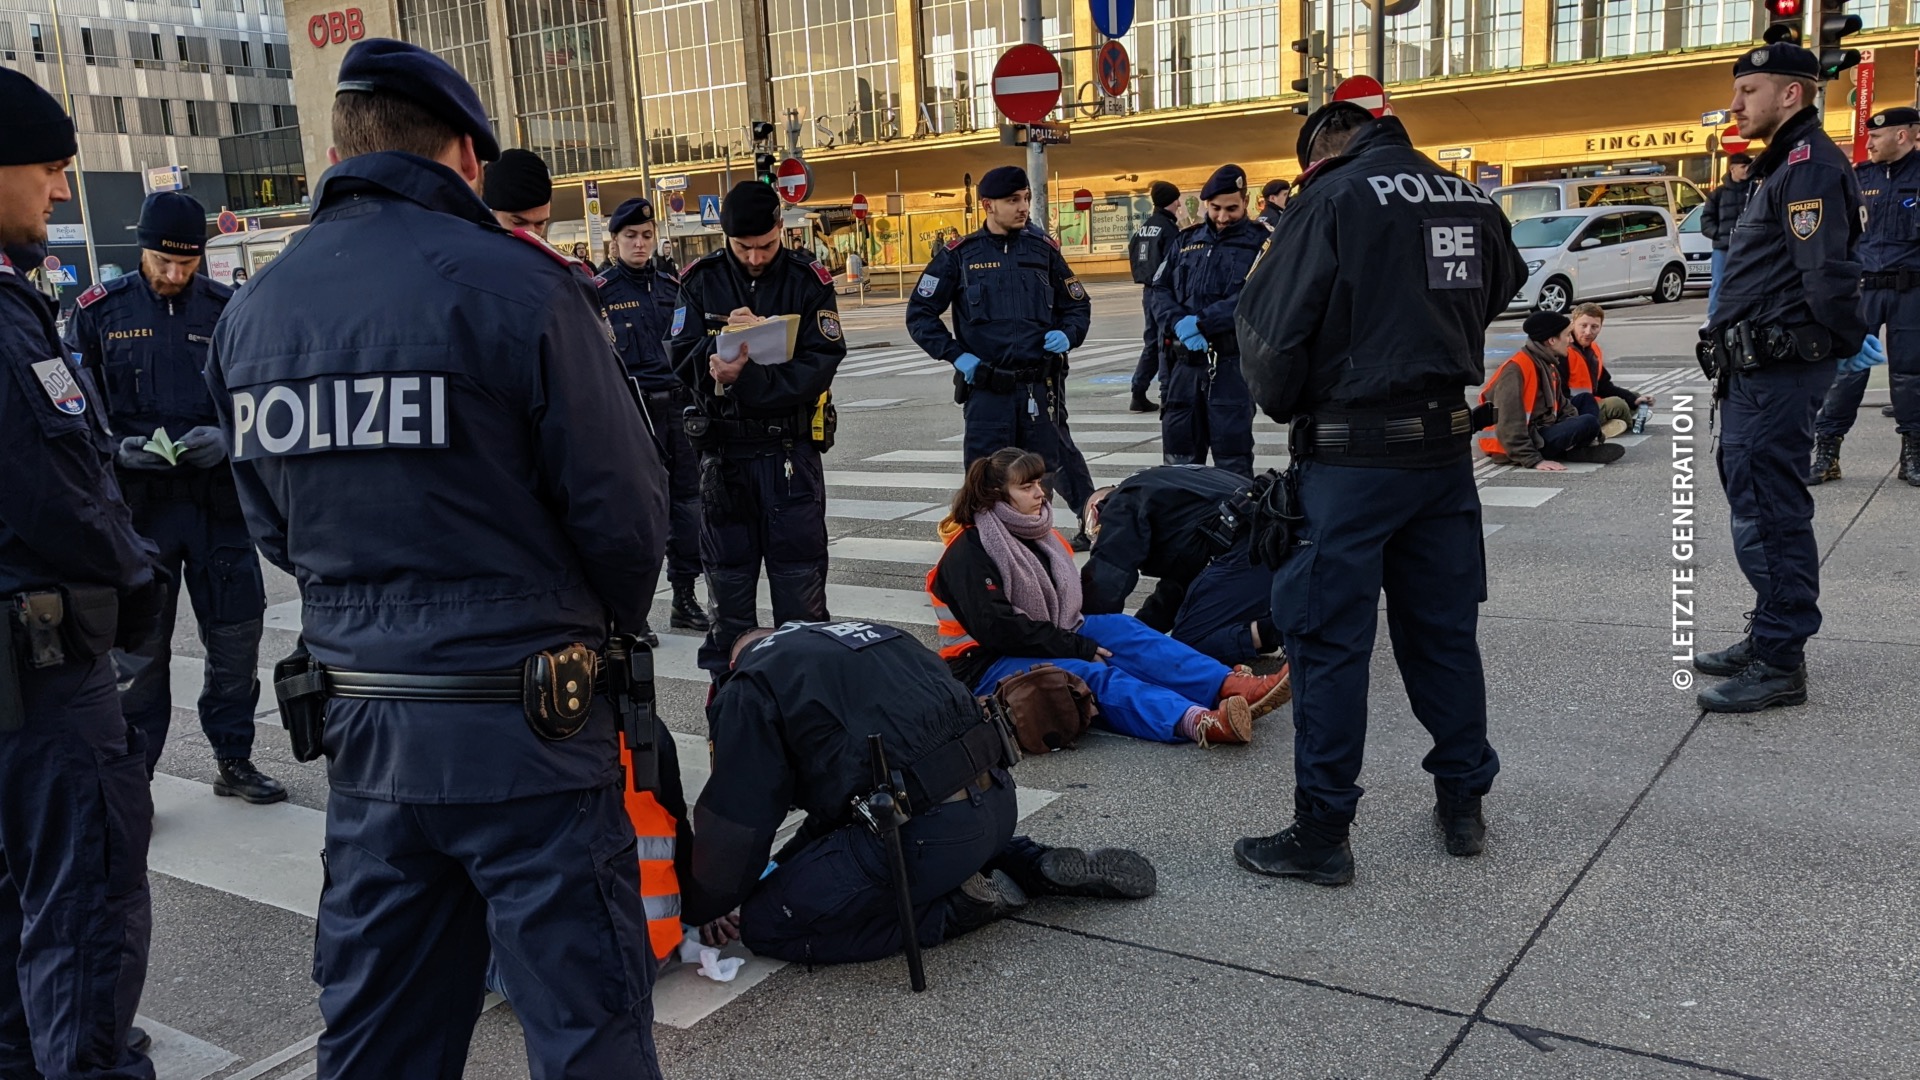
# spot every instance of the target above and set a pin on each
(79, 173)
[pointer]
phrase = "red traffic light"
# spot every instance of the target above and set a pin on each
(1783, 9)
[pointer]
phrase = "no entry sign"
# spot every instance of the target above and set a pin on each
(1731, 141)
(1114, 69)
(791, 180)
(1026, 83)
(1083, 199)
(859, 208)
(1364, 91)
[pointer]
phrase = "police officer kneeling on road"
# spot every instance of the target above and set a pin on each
(759, 428)
(1361, 325)
(791, 727)
(1789, 306)
(144, 337)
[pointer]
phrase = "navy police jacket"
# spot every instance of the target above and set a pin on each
(62, 520)
(149, 352)
(639, 306)
(431, 432)
(792, 284)
(1006, 292)
(1150, 244)
(1891, 193)
(1150, 525)
(1202, 275)
(1375, 292)
(1793, 260)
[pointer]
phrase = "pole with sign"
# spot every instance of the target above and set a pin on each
(1026, 87)
(793, 181)
(1365, 92)
(1862, 104)
(590, 190)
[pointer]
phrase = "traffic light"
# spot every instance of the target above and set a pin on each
(762, 131)
(1835, 25)
(1315, 64)
(1787, 21)
(764, 166)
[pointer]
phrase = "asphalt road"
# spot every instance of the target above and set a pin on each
(1665, 894)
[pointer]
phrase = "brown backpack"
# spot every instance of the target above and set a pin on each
(1049, 707)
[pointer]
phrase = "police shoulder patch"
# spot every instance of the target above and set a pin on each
(551, 252)
(825, 275)
(1800, 154)
(1054, 240)
(855, 635)
(829, 325)
(92, 295)
(61, 387)
(679, 320)
(599, 282)
(1075, 289)
(928, 283)
(954, 243)
(1803, 217)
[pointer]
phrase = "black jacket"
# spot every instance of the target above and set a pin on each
(1150, 525)
(639, 305)
(967, 581)
(1723, 210)
(1150, 244)
(793, 285)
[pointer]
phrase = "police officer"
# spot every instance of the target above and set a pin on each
(75, 813)
(1889, 294)
(1017, 311)
(759, 428)
(1789, 305)
(790, 729)
(1191, 300)
(519, 190)
(1365, 342)
(144, 337)
(1145, 252)
(436, 438)
(1273, 201)
(639, 299)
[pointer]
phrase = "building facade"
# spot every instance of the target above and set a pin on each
(152, 84)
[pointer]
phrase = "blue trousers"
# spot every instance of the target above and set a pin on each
(781, 522)
(1204, 409)
(1719, 263)
(207, 550)
(1414, 533)
(1895, 316)
(414, 896)
(1221, 603)
(1766, 435)
(75, 913)
(1144, 689)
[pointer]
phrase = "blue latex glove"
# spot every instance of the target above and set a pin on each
(1056, 341)
(1187, 330)
(1871, 354)
(966, 365)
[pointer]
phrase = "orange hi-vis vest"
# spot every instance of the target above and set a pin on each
(954, 639)
(656, 832)
(1529, 395)
(1583, 369)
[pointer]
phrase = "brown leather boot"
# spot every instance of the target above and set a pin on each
(1230, 724)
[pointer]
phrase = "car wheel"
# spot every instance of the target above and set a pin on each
(1671, 286)
(1555, 296)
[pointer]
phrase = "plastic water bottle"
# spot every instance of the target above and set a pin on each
(1640, 418)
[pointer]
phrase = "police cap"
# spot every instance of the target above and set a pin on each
(638, 211)
(1226, 180)
(518, 181)
(34, 129)
(172, 223)
(752, 208)
(1895, 117)
(386, 66)
(1779, 58)
(1275, 187)
(1004, 182)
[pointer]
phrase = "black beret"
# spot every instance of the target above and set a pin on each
(1545, 325)
(1740, 159)
(1226, 180)
(1163, 194)
(1896, 116)
(1303, 145)
(1275, 187)
(172, 223)
(752, 208)
(386, 66)
(1779, 58)
(638, 211)
(1004, 182)
(518, 181)
(34, 129)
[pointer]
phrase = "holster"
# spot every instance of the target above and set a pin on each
(717, 496)
(300, 686)
(699, 429)
(1276, 514)
(962, 390)
(1189, 357)
(556, 689)
(39, 615)
(627, 667)
(70, 623)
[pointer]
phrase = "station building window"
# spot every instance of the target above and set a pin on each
(1205, 52)
(563, 84)
(692, 63)
(457, 30)
(1437, 39)
(838, 63)
(962, 41)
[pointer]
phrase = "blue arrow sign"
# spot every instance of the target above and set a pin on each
(1113, 17)
(709, 209)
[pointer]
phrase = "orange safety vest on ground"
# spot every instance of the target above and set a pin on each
(954, 639)
(1529, 394)
(1584, 365)
(657, 832)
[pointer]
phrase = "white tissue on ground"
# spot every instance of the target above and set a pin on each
(711, 965)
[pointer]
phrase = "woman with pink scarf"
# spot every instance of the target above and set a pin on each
(1007, 596)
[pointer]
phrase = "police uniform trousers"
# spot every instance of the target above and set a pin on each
(1144, 689)
(683, 484)
(204, 544)
(779, 518)
(1221, 604)
(1151, 364)
(1766, 436)
(416, 893)
(1028, 417)
(1895, 317)
(1414, 533)
(833, 901)
(75, 916)
(1206, 407)
(1075, 482)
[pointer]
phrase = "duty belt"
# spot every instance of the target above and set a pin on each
(999, 380)
(957, 768)
(1375, 436)
(502, 685)
(1901, 280)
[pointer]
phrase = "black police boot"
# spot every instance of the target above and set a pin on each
(1759, 686)
(1461, 823)
(1081, 541)
(1886, 411)
(1141, 403)
(138, 1041)
(1106, 873)
(239, 777)
(1292, 852)
(1826, 459)
(687, 612)
(1731, 660)
(1910, 459)
(981, 899)
(647, 635)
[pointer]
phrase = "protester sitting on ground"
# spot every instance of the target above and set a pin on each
(1190, 527)
(1538, 426)
(1587, 373)
(1007, 596)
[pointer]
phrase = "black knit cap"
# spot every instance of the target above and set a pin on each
(1004, 182)
(519, 181)
(752, 208)
(172, 223)
(34, 129)
(639, 211)
(1545, 325)
(1779, 58)
(1163, 194)
(386, 66)
(1226, 180)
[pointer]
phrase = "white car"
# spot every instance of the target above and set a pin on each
(1598, 253)
(1699, 252)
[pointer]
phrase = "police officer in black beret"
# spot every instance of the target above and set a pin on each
(75, 579)
(639, 299)
(1273, 201)
(1145, 252)
(144, 337)
(1364, 341)
(1017, 311)
(1789, 308)
(760, 428)
(519, 190)
(1191, 301)
(437, 440)
(1889, 294)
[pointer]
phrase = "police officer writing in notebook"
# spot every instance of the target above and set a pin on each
(446, 454)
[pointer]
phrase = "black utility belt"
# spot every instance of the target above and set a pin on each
(707, 431)
(998, 380)
(1438, 428)
(555, 687)
(1746, 347)
(65, 624)
(959, 769)
(1202, 357)
(181, 482)
(1900, 280)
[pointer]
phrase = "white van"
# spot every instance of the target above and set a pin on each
(1671, 193)
(1599, 253)
(247, 251)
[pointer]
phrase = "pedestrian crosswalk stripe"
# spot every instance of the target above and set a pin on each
(1517, 496)
(948, 482)
(874, 509)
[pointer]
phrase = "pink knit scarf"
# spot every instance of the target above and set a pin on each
(1049, 593)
